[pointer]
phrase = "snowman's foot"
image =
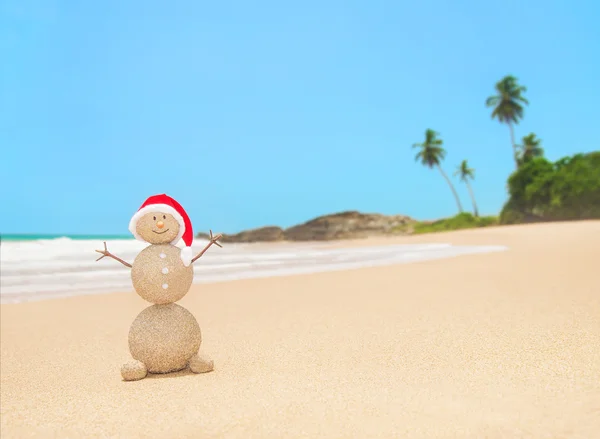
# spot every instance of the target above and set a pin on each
(134, 370)
(200, 363)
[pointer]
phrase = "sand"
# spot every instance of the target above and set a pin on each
(501, 345)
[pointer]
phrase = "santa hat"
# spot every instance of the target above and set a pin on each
(164, 204)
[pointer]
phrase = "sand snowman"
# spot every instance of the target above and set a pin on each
(165, 337)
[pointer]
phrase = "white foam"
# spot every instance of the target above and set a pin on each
(44, 269)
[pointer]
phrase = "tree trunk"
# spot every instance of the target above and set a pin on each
(514, 145)
(475, 210)
(460, 209)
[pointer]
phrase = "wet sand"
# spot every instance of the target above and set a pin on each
(499, 345)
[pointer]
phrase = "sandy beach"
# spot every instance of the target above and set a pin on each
(498, 345)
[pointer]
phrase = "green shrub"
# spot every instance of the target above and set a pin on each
(458, 222)
(568, 189)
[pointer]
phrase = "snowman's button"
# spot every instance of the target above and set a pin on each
(162, 256)
(165, 270)
(165, 286)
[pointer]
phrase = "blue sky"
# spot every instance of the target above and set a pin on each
(270, 112)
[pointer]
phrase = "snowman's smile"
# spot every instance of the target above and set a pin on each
(160, 233)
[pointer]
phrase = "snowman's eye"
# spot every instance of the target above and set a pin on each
(154, 218)
(164, 216)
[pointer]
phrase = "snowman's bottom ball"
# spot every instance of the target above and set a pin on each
(164, 338)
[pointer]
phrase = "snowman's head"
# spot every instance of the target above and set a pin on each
(157, 228)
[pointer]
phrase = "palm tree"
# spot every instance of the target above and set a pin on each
(465, 174)
(431, 155)
(507, 106)
(530, 148)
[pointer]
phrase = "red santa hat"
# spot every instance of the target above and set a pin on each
(164, 204)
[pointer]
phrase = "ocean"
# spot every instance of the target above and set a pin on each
(37, 267)
(34, 237)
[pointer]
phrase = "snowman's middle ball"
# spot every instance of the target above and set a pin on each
(159, 276)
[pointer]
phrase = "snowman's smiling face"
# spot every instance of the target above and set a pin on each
(157, 228)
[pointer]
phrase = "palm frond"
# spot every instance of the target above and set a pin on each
(529, 149)
(464, 172)
(507, 102)
(492, 101)
(431, 152)
(524, 100)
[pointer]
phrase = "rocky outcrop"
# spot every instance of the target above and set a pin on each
(263, 234)
(344, 225)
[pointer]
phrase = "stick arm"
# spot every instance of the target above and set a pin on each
(213, 240)
(105, 253)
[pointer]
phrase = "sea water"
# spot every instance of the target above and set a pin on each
(45, 267)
